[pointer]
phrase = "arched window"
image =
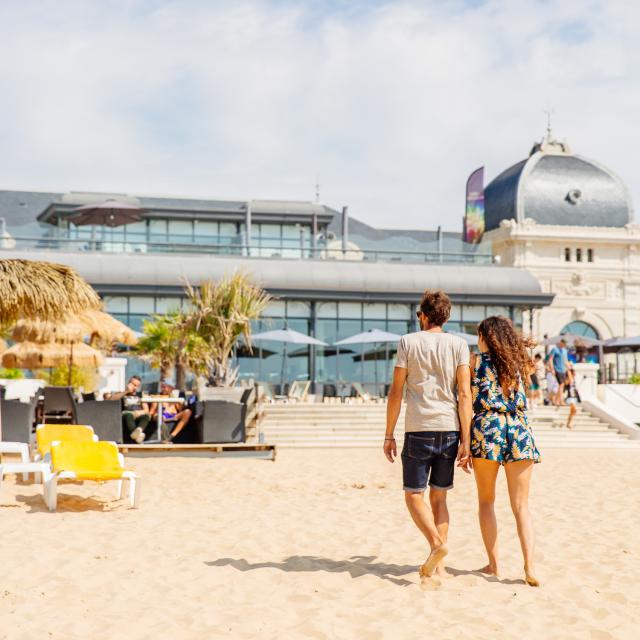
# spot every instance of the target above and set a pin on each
(580, 328)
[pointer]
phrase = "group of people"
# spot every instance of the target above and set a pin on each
(553, 380)
(139, 419)
(469, 410)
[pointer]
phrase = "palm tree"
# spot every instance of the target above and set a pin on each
(41, 291)
(222, 312)
(170, 341)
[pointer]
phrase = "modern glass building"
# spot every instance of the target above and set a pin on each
(331, 276)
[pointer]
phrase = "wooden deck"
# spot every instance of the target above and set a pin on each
(222, 450)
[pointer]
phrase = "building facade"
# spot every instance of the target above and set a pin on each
(569, 221)
(331, 276)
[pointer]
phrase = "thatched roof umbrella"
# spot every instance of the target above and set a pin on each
(45, 331)
(104, 328)
(41, 290)
(42, 355)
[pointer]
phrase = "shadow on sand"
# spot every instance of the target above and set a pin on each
(355, 566)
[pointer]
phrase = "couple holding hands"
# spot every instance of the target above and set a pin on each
(468, 410)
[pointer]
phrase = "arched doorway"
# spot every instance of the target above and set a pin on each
(581, 328)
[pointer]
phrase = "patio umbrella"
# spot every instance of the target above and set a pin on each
(372, 336)
(469, 338)
(287, 336)
(42, 331)
(110, 213)
(571, 338)
(42, 355)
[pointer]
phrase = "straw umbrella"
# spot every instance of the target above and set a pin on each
(104, 328)
(43, 355)
(41, 290)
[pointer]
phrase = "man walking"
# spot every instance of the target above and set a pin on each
(558, 359)
(435, 368)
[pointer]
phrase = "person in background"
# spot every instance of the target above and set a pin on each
(573, 397)
(541, 376)
(173, 413)
(558, 359)
(135, 414)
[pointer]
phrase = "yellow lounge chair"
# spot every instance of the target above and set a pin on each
(95, 461)
(48, 433)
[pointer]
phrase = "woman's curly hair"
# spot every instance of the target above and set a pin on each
(508, 351)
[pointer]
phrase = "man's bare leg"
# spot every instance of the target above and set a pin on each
(486, 473)
(423, 518)
(438, 501)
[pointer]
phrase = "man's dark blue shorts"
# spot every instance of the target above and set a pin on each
(429, 456)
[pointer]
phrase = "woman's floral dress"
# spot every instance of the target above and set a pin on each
(500, 430)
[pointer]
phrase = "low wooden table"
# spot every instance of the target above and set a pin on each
(221, 450)
(160, 400)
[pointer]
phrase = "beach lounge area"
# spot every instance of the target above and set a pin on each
(317, 545)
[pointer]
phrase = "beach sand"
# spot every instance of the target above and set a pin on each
(316, 545)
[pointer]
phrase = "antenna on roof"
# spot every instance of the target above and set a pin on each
(549, 113)
(317, 191)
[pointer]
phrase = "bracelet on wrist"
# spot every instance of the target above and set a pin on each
(389, 438)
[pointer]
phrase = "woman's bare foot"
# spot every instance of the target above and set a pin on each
(442, 572)
(437, 554)
(530, 579)
(489, 571)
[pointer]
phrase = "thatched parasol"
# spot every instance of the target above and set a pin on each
(43, 290)
(46, 331)
(42, 355)
(105, 328)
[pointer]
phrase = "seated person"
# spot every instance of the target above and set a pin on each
(173, 413)
(135, 414)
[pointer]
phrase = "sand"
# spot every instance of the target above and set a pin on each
(316, 545)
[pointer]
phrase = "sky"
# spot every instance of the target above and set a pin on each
(388, 106)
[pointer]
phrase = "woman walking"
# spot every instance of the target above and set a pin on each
(500, 434)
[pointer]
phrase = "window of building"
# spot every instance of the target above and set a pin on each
(578, 254)
(567, 254)
(581, 328)
(589, 255)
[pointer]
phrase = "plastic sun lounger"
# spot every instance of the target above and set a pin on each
(93, 461)
(48, 433)
(20, 448)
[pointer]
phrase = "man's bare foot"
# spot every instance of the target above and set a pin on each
(489, 571)
(436, 555)
(442, 572)
(530, 579)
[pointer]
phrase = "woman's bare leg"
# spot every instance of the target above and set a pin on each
(518, 481)
(486, 472)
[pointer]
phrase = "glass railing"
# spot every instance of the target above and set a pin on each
(284, 250)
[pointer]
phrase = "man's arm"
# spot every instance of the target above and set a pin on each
(465, 413)
(115, 395)
(394, 404)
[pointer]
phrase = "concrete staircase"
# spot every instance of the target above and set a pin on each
(300, 425)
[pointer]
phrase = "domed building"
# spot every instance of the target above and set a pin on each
(569, 221)
(554, 186)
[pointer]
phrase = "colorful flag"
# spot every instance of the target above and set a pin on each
(474, 213)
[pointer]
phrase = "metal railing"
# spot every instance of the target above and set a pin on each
(257, 250)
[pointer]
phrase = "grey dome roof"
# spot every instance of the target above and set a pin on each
(553, 186)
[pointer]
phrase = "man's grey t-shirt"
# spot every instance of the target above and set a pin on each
(432, 359)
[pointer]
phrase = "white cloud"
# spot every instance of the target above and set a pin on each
(390, 104)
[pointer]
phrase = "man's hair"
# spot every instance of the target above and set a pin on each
(436, 306)
(138, 378)
(563, 341)
(538, 356)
